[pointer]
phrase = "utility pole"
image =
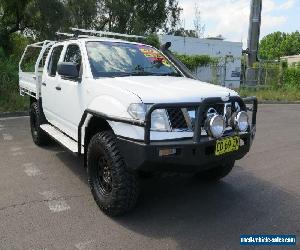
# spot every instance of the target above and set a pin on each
(253, 40)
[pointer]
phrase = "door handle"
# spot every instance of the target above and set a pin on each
(44, 84)
(58, 88)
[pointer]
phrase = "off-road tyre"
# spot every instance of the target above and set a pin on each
(216, 173)
(37, 118)
(113, 185)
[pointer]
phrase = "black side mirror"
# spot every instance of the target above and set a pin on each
(68, 70)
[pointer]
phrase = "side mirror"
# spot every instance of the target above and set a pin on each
(68, 70)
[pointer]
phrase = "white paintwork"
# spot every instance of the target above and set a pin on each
(17, 153)
(112, 96)
(85, 245)
(55, 201)
(50, 194)
(167, 89)
(15, 149)
(7, 137)
(31, 169)
(56, 206)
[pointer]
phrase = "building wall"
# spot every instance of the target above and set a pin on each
(227, 73)
(291, 59)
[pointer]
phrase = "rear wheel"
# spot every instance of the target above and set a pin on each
(113, 185)
(217, 173)
(39, 137)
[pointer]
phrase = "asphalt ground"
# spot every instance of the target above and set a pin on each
(45, 201)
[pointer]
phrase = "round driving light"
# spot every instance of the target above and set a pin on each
(216, 126)
(241, 121)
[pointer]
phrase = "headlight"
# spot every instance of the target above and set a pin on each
(160, 120)
(159, 117)
(215, 126)
(241, 121)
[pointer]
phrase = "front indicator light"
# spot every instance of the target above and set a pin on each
(167, 152)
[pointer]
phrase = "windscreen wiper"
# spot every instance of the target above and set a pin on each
(170, 74)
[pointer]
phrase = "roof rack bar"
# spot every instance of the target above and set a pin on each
(106, 33)
(40, 44)
(64, 34)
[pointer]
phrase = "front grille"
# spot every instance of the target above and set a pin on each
(176, 118)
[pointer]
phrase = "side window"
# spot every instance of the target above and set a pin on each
(73, 55)
(52, 66)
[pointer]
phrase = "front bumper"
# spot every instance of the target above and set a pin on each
(193, 154)
(189, 156)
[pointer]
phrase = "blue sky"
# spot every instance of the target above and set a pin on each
(231, 17)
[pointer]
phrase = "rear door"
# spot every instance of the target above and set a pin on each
(50, 87)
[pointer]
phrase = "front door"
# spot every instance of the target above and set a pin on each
(70, 100)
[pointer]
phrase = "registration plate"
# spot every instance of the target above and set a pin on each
(227, 145)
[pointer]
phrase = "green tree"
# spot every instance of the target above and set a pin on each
(82, 13)
(152, 39)
(291, 44)
(42, 18)
(139, 17)
(173, 13)
(39, 17)
(278, 44)
(48, 16)
(14, 16)
(183, 32)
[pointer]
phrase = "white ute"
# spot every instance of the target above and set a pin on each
(130, 110)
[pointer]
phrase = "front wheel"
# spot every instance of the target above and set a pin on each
(113, 185)
(216, 173)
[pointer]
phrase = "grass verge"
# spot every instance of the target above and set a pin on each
(271, 94)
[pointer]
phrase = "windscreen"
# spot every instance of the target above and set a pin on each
(116, 59)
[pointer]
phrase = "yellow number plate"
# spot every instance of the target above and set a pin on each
(227, 145)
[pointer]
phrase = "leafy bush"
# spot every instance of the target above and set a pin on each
(278, 74)
(152, 40)
(193, 62)
(10, 100)
(8, 73)
(291, 77)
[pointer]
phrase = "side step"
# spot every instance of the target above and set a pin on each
(61, 138)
